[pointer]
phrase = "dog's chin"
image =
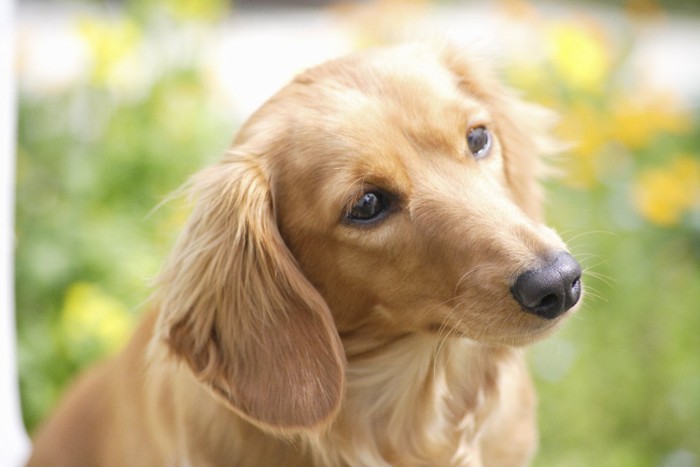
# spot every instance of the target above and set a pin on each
(535, 330)
(522, 340)
(525, 330)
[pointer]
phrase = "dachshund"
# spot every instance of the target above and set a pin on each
(355, 285)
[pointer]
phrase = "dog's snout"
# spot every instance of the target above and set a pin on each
(551, 290)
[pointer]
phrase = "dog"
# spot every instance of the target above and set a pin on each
(354, 285)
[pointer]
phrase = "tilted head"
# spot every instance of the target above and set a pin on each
(385, 193)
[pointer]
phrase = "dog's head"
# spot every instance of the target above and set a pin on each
(385, 193)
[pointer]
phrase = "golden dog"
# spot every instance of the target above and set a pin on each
(353, 286)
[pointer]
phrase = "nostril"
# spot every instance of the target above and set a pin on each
(548, 301)
(575, 291)
(576, 284)
(551, 290)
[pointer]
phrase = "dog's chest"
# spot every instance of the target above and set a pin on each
(426, 408)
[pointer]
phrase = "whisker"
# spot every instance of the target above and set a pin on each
(592, 296)
(605, 279)
(442, 338)
(464, 276)
(587, 233)
(588, 256)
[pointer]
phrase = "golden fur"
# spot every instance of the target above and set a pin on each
(282, 334)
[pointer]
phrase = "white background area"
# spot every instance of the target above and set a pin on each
(14, 444)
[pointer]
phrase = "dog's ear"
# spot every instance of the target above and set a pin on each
(236, 308)
(523, 129)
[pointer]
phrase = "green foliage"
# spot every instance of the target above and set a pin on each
(91, 169)
(619, 385)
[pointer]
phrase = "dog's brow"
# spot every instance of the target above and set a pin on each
(395, 184)
(474, 111)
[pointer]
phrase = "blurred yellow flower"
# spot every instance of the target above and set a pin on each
(585, 128)
(636, 121)
(204, 10)
(110, 44)
(90, 317)
(664, 194)
(580, 54)
(534, 80)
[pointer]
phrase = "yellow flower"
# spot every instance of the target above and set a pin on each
(205, 10)
(534, 80)
(579, 53)
(664, 194)
(637, 121)
(586, 129)
(92, 318)
(110, 43)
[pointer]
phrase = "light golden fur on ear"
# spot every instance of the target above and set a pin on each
(237, 310)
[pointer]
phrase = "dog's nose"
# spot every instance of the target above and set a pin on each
(550, 290)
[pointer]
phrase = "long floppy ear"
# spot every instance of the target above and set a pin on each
(235, 307)
(523, 129)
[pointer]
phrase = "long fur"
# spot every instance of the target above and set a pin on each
(284, 334)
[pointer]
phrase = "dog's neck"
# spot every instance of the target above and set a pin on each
(413, 399)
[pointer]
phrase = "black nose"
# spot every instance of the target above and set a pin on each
(550, 290)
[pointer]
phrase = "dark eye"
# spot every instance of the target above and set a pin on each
(369, 207)
(479, 141)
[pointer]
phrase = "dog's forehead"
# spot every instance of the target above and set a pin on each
(361, 99)
(367, 103)
(414, 82)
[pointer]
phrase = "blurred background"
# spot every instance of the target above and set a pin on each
(120, 101)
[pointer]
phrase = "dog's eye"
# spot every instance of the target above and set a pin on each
(479, 141)
(369, 207)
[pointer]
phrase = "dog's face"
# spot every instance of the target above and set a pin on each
(385, 193)
(404, 186)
